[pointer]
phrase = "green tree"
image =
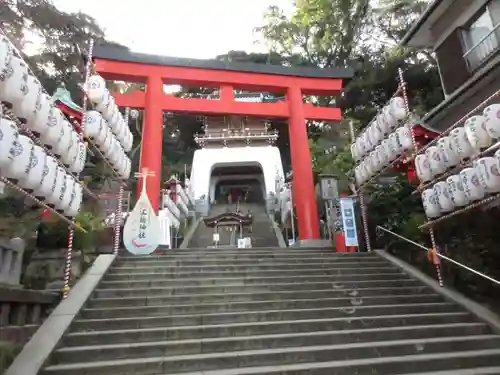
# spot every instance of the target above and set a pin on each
(363, 35)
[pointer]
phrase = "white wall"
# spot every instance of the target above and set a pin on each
(206, 159)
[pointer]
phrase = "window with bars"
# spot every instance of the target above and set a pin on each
(482, 36)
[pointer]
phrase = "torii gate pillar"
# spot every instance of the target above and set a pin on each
(303, 183)
(152, 138)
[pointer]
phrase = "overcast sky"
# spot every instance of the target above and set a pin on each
(182, 28)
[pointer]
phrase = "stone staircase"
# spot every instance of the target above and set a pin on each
(270, 311)
(262, 235)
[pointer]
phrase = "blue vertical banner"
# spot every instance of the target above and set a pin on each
(349, 221)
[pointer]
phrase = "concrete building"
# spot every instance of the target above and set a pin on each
(465, 36)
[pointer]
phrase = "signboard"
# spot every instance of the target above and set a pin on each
(349, 221)
(141, 233)
(333, 215)
(216, 237)
(241, 243)
(329, 187)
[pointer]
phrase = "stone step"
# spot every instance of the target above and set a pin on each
(149, 321)
(232, 289)
(158, 281)
(261, 250)
(280, 356)
(242, 254)
(434, 364)
(357, 296)
(171, 273)
(474, 371)
(277, 267)
(247, 306)
(224, 262)
(222, 344)
(258, 328)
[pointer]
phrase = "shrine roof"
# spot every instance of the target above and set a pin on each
(231, 218)
(115, 53)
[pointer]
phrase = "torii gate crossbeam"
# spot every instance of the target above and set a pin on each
(115, 63)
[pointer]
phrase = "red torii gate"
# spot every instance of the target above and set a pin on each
(116, 63)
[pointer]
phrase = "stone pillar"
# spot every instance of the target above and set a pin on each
(303, 183)
(11, 259)
(152, 139)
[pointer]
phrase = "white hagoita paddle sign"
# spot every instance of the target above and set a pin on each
(141, 234)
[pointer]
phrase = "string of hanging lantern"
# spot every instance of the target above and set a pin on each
(388, 141)
(460, 170)
(43, 153)
(385, 141)
(9, 114)
(107, 131)
(38, 147)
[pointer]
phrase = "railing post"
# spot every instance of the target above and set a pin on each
(364, 219)
(5, 314)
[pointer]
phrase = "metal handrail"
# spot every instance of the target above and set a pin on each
(481, 41)
(440, 255)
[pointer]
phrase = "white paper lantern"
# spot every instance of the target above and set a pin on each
(9, 134)
(55, 197)
(488, 170)
(359, 175)
(127, 169)
(68, 191)
(461, 143)
(475, 128)
(367, 167)
(79, 164)
(109, 112)
(129, 142)
(436, 163)
(388, 153)
(75, 201)
(94, 127)
(66, 135)
(34, 178)
(456, 190)
(376, 134)
(367, 142)
(21, 154)
(398, 108)
(492, 120)
(14, 82)
(449, 154)
(422, 168)
(96, 90)
(443, 197)
(52, 133)
(405, 139)
(103, 106)
(389, 118)
(41, 118)
(381, 156)
(430, 203)
(69, 156)
(6, 55)
(27, 107)
(383, 125)
(108, 141)
(472, 186)
(48, 177)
